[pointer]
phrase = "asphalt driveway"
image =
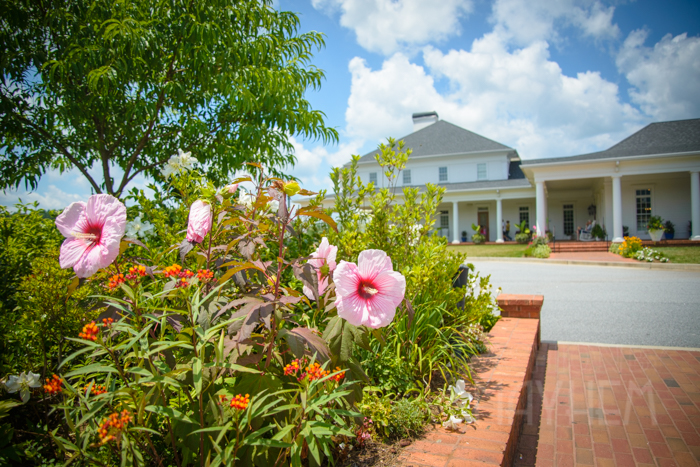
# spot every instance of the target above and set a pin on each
(608, 305)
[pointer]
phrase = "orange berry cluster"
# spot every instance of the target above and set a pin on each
(205, 275)
(107, 322)
(96, 390)
(53, 385)
(111, 427)
(292, 368)
(240, 402)
(135, 272)
(115, 280)
(339, 376)
(90, 332)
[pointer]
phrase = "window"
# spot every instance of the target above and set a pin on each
(444, 224)
(407, 177)
(481, 173)
(443, 174)
(525, 215)
(643, 202)
(568, 219)
(373, 177)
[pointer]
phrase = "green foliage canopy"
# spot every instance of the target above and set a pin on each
(119, 87)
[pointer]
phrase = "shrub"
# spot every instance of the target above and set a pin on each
(598, 232)
(669, 227)
(630, 247)
(538, 251)
(615, 248)
(522, 238)
(391, 419)
(478, 238)
(649, 255)
(429, 336)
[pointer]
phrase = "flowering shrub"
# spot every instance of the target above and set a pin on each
(538, 249)
(629, 247)
(649, 255)
(428, 337)
(230, 362)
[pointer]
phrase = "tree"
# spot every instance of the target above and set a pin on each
(119, 86)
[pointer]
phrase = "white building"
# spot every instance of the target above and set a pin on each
(653, 172)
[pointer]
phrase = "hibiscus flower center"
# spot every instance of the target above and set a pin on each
(367, 290)
(91, 235)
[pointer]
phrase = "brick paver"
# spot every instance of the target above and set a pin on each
(607, 406)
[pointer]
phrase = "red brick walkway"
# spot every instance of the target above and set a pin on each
(608, 406)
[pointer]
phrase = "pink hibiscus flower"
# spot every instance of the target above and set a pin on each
(324, 255)
(93, 232)
(199, 223)
(368, 292)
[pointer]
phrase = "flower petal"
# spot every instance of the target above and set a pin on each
(67, 220)
(24, 394)
(98, 257)
(71, 252)
(100, 208)
(373, 262)
(391, 285)
(380, 311)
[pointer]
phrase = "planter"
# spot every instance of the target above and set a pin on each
(464, 239)
(656, 235)
(669, 236)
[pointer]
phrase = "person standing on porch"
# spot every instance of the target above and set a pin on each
(506, 232)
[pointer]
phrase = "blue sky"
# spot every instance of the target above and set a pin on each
(548, 78)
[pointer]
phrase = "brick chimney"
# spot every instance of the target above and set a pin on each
(423, 119)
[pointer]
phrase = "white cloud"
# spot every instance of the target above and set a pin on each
(389, 25)
(524, 23)
(50, 198)
(518, 98)
(665, 77)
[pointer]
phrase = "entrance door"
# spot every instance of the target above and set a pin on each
(483, 221)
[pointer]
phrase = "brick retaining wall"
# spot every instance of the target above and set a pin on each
(500, 393)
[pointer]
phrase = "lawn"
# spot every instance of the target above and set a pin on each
(681, 254)
(498, 251)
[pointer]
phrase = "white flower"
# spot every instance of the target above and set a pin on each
(138, 228)
(182, 161)
(185, 159)
(459, 394)
(452, 423)
(273, 205)
(468, 418)
(247, 200)
(22, 383)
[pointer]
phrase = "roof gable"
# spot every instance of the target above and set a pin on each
(443, 138)
(679, 136)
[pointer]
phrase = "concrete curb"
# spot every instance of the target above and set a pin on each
(620, 264)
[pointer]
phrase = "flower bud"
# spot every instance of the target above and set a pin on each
(291, 188)
(200, 221)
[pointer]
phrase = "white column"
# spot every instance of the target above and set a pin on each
(617, 209)
(541, 202)
(455, 222)
(695, 205)
(499, 220)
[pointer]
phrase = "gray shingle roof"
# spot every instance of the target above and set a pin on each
(443, 138)
(656, 138)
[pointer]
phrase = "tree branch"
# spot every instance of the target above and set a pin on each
(104, 155)
(46, 134)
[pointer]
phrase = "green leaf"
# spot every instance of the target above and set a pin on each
(171, 413)
(94, 368)
(197, 375)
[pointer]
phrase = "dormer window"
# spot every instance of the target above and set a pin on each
(407, 176)
(481, 173)
(442, 174)
(373, 177)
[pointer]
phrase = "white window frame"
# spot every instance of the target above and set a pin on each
(406, 176)
(649, 187)
(482, 175)
(440, 174)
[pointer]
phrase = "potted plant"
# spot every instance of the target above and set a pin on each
(655, 226)
(523, 234)
(625, 231)
(598, 232)
(464, 235)
(477, 236)
(669, 229)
